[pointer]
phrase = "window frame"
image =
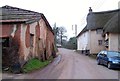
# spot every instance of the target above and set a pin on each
(31, 39)
(100, 42)
(99, 31)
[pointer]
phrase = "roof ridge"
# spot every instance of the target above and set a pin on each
(108, 11)
(11, 7)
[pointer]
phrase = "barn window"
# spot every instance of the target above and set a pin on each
(31, 40)
(5, 42)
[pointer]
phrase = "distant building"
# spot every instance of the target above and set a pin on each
(25, 34)
(90, 39)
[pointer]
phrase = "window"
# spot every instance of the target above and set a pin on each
(31, 40)
(99, 31)
(5, 42)
(100, 42)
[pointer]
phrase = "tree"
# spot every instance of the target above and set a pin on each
(55, 30)
(72, 43)
(59, 33)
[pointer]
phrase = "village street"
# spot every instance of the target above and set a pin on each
(72, 66)
(29, 39)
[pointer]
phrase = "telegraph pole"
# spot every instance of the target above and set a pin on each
(74, 28)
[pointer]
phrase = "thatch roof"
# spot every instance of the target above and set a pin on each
(113, 25)
(97, 20)
(107, 20)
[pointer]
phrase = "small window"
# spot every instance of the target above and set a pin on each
(100, 42)
(5, 42)
(99, 31)
(31, 40)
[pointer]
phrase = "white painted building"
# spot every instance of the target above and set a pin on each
(91, 40)
(112, 33)
(82, 44)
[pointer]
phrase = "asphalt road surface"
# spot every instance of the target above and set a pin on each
(71, 65)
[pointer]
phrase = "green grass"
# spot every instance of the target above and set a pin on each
(35, 64)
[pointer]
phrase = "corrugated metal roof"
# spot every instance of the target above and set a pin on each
(14, 14)
(9, 14)
(14, 20)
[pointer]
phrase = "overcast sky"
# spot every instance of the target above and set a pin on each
(64, 12)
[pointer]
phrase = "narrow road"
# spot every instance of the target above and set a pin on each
(73, 66)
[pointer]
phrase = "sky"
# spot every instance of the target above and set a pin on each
(64, 12)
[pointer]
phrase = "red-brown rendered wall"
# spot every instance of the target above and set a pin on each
(16, 38)
(27, 36)
(49, 43)
(6, 30)
(15, 45)
(37, 28)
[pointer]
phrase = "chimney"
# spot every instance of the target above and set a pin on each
(90, 9)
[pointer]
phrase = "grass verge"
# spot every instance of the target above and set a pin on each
(35, 64)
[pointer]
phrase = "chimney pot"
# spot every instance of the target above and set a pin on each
(90, 9)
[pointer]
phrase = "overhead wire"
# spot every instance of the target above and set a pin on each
(96, 5)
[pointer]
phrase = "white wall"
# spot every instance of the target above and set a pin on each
(82, 41)
(24, 50)
(113, 42)
(33, 31)
(32, 28)
(89, 40)
(93, 42)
